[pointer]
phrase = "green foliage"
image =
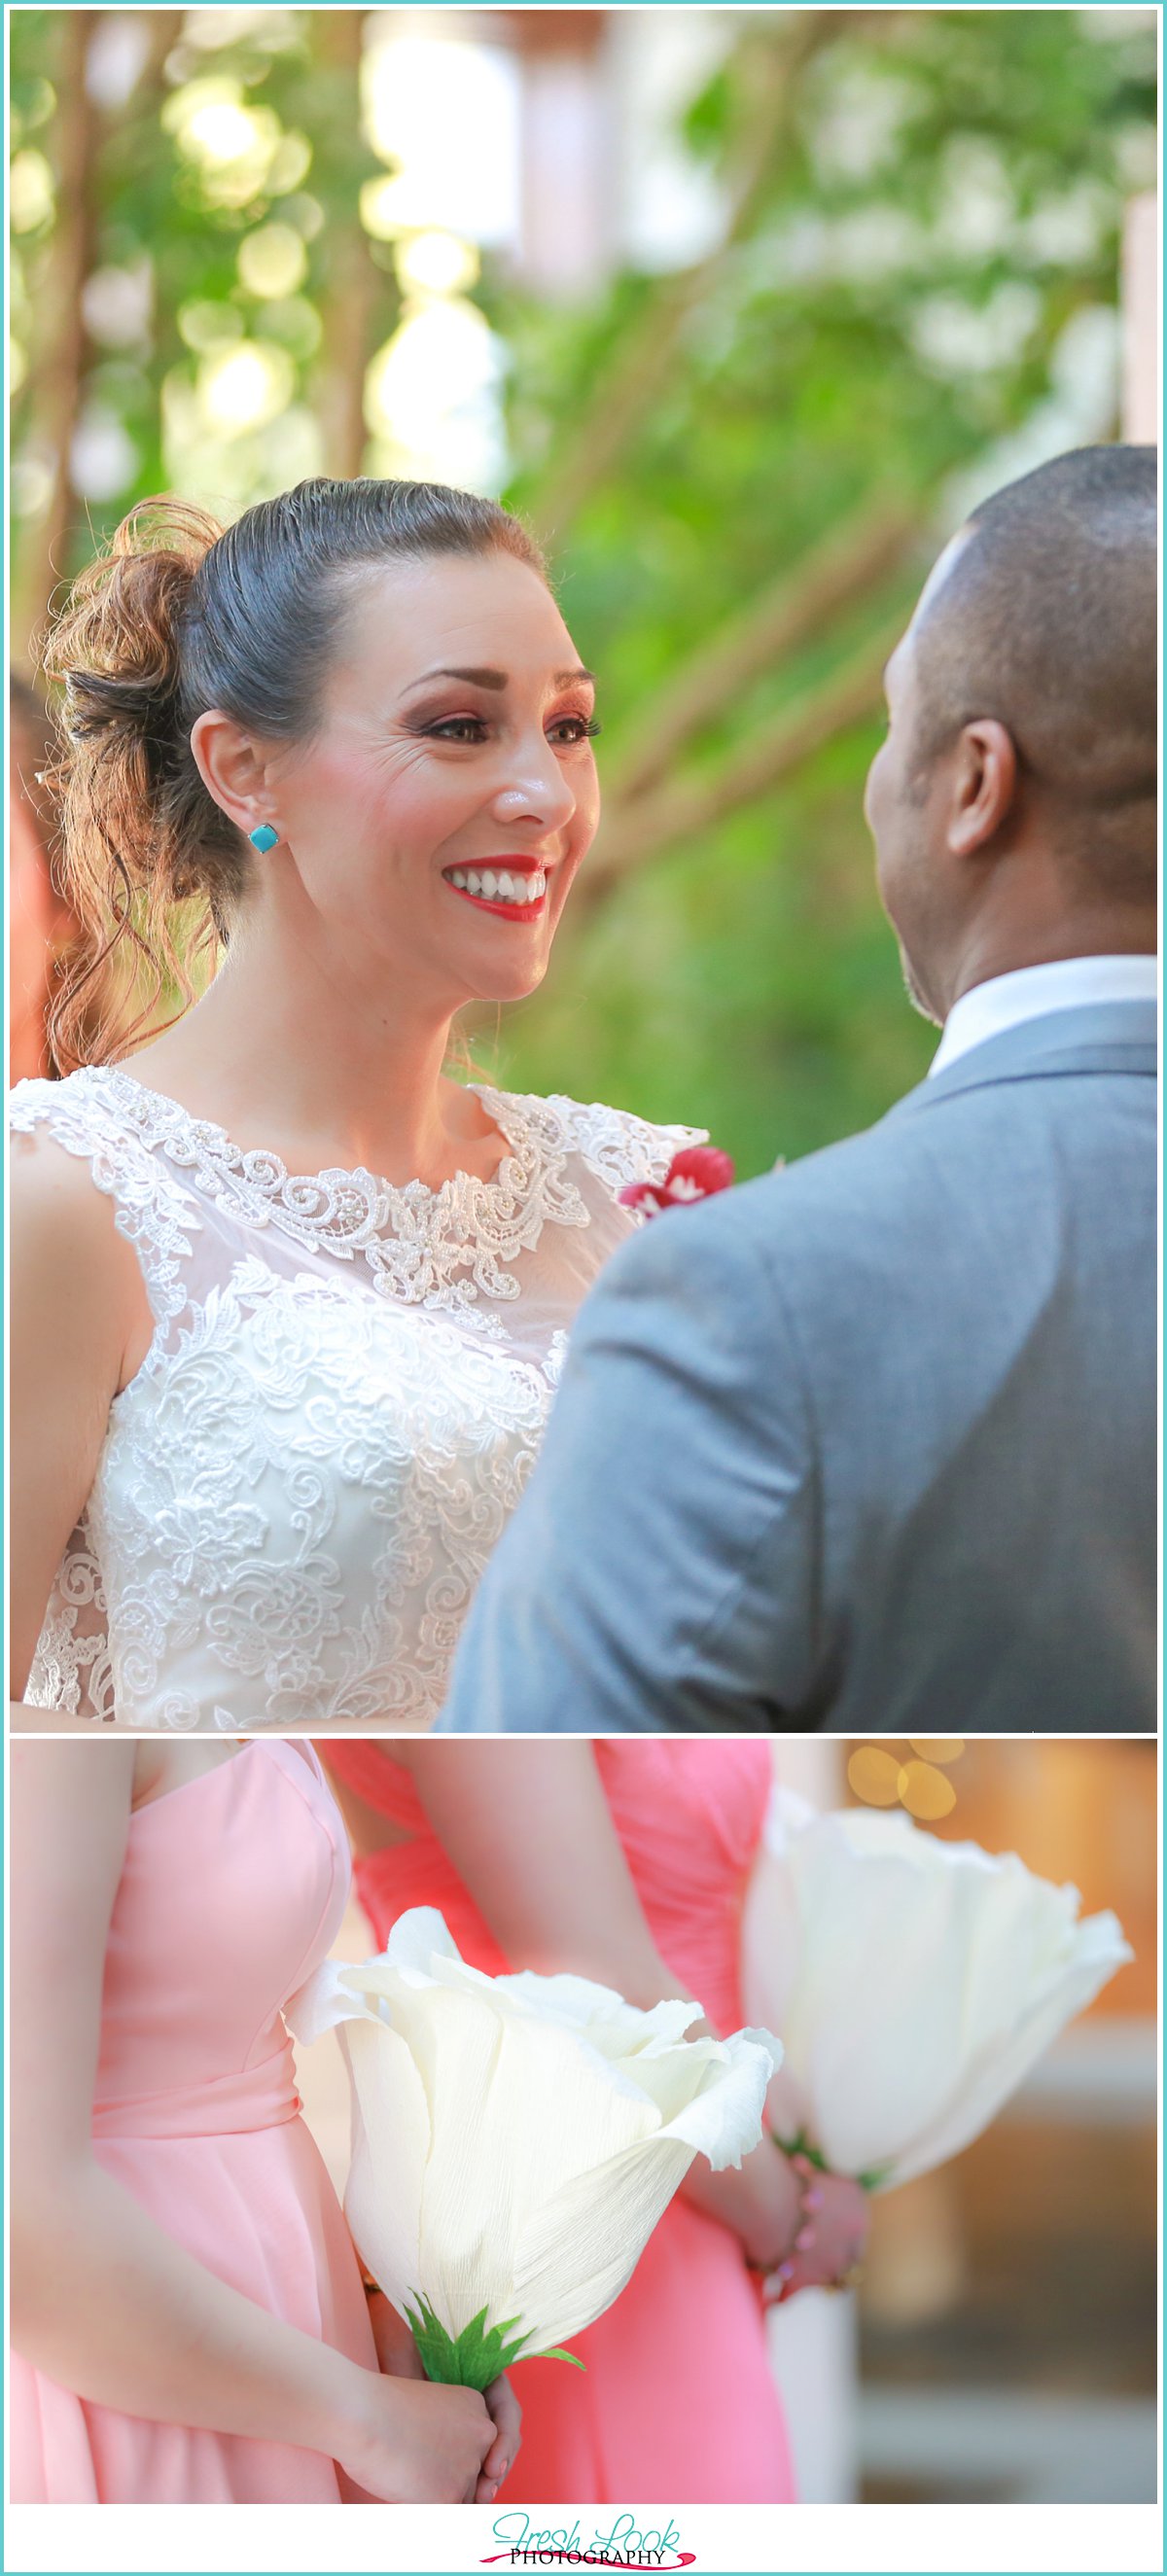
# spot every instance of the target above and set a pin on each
(478, 2354)
(919, 307)
(912, 303)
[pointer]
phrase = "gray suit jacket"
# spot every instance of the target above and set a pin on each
(868, 1444)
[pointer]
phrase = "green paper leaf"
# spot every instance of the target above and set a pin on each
(800, 2145)
(477, 2355)
(555, 2352)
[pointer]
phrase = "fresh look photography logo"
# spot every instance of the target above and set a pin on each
(625, 2545)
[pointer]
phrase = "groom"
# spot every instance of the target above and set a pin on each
(869, 1444)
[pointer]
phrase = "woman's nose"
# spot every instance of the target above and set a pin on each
(536, 792)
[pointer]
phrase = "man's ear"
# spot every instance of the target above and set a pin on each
(984, 785)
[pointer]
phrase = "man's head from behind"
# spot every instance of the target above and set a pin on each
(1013, 802)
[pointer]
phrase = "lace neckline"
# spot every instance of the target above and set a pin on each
(268, 1169)
(414, 1240)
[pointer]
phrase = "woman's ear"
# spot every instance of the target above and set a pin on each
(232, 768)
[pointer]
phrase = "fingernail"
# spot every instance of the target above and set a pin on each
(786, 2271)
(812, 2199)
(804, 2240)
(802, 2164)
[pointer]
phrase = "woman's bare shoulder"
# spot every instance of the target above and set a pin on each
(69, 1261)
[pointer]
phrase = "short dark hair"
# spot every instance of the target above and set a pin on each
(1047, 621)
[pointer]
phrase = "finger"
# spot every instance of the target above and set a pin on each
(508, 2416)
(504, 2406)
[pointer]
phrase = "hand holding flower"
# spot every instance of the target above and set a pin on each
(410, 2442)
(830, 2237)
(507, 2414)
(516, 2139)
(399, 2358)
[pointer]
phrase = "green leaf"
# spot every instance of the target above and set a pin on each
(555, 2352)
(800, 2145)
(477, 2355)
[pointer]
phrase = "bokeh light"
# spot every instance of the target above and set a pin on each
(273, 260)
(436, 263)
(874, 1776)
(880, 1777)
(206, 324)
(925, 1792)
(117, 303)
(32, 192)
(244, 388)
(444, 113)
(235, 148)
(431, 393)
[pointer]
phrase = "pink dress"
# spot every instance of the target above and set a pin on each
(233, 1890)
(678, 2405)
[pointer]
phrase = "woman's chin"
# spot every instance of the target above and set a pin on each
(509, 979)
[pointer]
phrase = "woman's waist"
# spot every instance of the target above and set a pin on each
(262, 2096)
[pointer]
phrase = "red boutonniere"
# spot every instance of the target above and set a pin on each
(696, 1174)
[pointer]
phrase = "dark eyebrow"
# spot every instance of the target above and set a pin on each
(487, 679)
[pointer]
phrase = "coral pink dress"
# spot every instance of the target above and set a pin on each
(678, 2405)
(233, 1890)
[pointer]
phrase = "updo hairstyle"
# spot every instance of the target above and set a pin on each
(180, 615)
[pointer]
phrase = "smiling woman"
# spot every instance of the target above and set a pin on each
(289, 1302)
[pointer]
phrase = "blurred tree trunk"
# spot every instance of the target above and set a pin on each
(768, 68)
(788, 613)
(648, 807)
(682, 808)
(353, 282)
(42, 560)
(61, 360)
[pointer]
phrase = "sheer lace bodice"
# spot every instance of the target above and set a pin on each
(343, 1399)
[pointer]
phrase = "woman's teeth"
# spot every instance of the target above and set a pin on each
(497, 885)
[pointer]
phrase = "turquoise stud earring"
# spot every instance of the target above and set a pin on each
(263, 837)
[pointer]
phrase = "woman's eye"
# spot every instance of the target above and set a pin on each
(459, 729)
(574, 728)
(473, 729)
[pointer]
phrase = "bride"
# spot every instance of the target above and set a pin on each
(288, 1301)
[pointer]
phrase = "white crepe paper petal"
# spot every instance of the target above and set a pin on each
(914, 1982)
(516, 2138)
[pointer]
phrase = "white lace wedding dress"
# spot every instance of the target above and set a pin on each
(345, 1394)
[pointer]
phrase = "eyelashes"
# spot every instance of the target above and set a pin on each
(471, 730)
(588, 727)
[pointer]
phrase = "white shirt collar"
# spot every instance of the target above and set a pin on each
(1031, 991)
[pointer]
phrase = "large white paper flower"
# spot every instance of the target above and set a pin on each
(515, 2139)
(914, 1982)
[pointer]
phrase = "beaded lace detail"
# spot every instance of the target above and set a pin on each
(344, 1398)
